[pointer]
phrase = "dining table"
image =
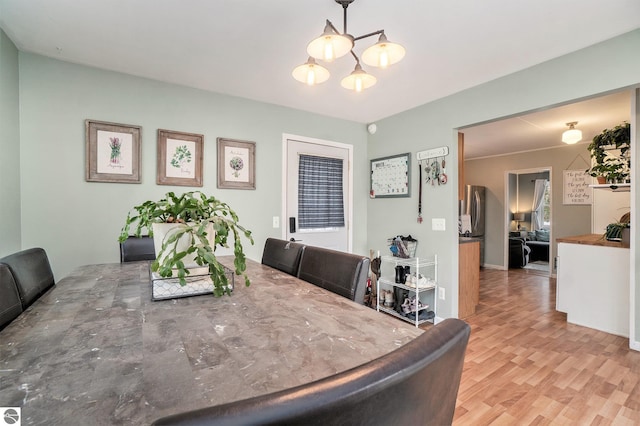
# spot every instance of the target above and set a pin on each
(96, 349)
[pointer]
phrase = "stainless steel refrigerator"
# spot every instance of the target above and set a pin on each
(473, 206)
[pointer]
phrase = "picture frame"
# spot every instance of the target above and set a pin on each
(391, 176)
(112, 152)
(236, 164)
(179, 159)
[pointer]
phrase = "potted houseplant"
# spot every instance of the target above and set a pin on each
(614, 231)
(612, 168)
(619, 231)
(191, 242)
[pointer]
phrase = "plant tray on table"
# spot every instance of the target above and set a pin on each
(195, 225)
(198, 283)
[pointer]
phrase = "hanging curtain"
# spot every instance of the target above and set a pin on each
(536, 208)
(320, 199)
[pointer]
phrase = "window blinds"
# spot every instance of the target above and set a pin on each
(320, 199)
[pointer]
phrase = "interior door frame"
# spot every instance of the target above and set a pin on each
(507, 212)
(285, 167)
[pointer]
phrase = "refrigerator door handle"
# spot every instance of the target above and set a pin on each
(476, 205)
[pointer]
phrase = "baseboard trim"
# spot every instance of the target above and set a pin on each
(489, 266)
(635, 345)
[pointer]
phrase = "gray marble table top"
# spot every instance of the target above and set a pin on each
(96, 350)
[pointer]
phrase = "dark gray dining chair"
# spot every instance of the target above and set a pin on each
(10, 305)
(32, 273)
(135, 248)
(417, 384)
(342, 273)
(282, 255)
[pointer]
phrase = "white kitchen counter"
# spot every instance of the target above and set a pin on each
(593, 283)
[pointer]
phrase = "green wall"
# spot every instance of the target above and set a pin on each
(9, 148)
(603, 67)
(78, 222)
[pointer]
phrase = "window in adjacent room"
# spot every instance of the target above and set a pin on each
(546, 207)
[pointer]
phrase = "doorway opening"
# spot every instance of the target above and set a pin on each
(528, 220)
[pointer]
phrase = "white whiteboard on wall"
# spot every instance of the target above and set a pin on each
(575, 188)
(391, 177)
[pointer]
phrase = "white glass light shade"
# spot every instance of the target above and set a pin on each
(330, 45)
(358, 80)
(383, 53)
(310, 73)
(572, 136)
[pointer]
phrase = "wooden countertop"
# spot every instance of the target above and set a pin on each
(591, 240)
(465, 240)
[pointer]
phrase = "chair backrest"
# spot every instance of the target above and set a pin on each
(10, 304)
(517, 253)
(137, 248)
(282, 255)
(342, 273)
(416, 384)
(32, 273)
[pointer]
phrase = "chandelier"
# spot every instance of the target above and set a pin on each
(332, 44)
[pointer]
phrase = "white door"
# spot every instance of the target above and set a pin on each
(330, 229)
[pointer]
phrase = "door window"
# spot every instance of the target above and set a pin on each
(320, 197)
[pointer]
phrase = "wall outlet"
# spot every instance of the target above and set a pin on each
(276, 221)
(441, 293)
(438, 224)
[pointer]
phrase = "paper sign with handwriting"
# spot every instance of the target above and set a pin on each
(575, 187)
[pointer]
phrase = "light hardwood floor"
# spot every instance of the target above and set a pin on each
(526, 366)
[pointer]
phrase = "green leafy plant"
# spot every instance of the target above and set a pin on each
(614, 230)
(613, 168)
(192, 212)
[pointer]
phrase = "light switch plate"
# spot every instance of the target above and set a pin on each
(276, 221)
(438, 224)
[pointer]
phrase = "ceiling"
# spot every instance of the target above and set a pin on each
(543, 129)
(248, 48)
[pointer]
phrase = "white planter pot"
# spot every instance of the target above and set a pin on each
(163, 230)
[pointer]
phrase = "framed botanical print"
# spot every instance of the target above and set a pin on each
(236, 164)
(112, 152)
(179, 158)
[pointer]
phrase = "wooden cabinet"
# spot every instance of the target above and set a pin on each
(468, 278)
(460, 166)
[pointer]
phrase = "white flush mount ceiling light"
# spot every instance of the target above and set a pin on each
(332, 44)
(572, 135)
